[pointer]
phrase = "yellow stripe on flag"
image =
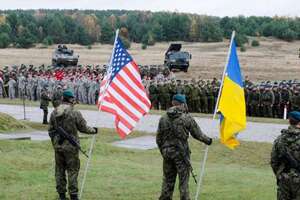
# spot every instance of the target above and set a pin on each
(233, 108)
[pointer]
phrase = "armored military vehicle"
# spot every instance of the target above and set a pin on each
(176, 59)
(63, 56)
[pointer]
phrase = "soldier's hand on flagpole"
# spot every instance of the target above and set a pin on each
(209, 142)
(96, 130)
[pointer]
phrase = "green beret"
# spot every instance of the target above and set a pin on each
(68, 94)
(295, 115)
(180, 98)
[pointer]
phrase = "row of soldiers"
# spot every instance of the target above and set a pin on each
(262, 100)
(29, 82)
(201, 96)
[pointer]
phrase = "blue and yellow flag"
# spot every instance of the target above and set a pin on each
(232, 106)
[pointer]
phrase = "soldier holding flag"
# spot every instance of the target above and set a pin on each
(172, 139)
(66, 154)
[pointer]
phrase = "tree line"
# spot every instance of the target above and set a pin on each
(24, 28)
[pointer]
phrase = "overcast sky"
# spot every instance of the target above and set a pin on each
(210, 7)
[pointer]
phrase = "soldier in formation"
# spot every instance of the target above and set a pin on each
(28, 82)
(201, 96)
(45, 99)
(172, 139)
(263, 99)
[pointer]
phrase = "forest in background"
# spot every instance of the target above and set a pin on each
(25, 28)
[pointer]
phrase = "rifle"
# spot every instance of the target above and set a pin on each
(187, 161)
(65, 136)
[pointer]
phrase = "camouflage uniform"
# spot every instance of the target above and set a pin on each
(295, 101)
(21, 86)
(267, 100)
(1, 88)
(57, 97)
(164, 96)
(195, 98)
(203, 99)
(12, 88)
(172, 139)
(286, 96)
(44, 104)
(210, 99)
(188, 93)
(153, 95)
(254, 101)
(288, 178)
(276, 106)
(66, 155)
(179, 87)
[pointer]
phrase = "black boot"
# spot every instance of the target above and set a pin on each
(62, 196)
(74, 197)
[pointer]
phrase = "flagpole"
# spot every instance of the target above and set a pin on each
(223, 76)
(202, 165)
(94, 136)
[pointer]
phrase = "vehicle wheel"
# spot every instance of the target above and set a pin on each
(185, 70)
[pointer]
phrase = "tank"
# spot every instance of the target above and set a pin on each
(64, 57)
(177, 59)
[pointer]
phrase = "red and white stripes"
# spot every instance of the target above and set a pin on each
(125, 97)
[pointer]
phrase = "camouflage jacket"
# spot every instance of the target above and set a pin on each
(268, 98)
(71, 121)
(44, 100)
(174, 129)
(285, 149)
(57, 97)
(295, 101)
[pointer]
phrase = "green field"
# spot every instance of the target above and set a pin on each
(26, 171)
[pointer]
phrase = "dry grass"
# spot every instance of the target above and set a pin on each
(273, 59)
(9, 124)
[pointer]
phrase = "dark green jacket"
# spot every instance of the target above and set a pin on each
(287, 142)
(71, 121)
(44, 100)
(174, 129)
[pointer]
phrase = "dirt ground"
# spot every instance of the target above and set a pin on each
(272, 60)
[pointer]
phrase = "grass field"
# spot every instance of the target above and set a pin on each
(272, 60)
(8, 123)
(26, 171)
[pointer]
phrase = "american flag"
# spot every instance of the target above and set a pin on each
(122, 92)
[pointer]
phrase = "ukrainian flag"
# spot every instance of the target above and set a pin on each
(232, 106)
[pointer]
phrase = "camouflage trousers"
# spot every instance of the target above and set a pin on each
(154, 102)
(45, 116)
(196, 105)
(267, 110)
(164, 102)
(288, 186)
(203, 105)
(67, 161)
(172, 165)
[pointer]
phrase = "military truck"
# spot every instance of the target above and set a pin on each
(176, 59)
(63, 56)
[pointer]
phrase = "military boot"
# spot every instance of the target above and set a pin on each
(62, 196)
(74, 197)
